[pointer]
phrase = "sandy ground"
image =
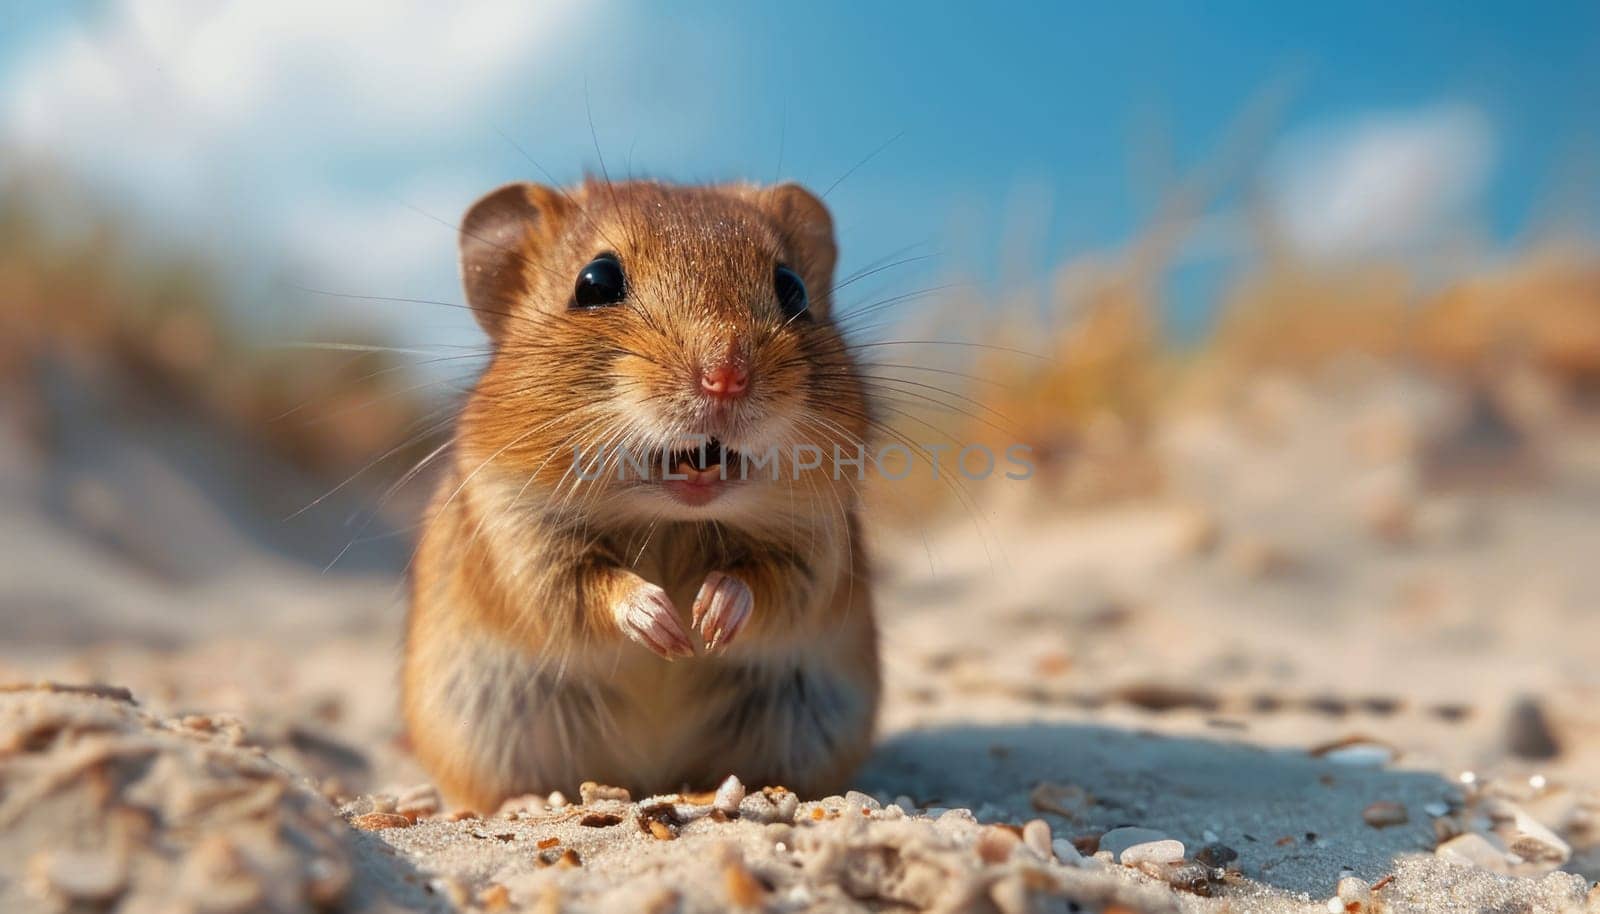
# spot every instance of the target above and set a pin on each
(1355, 641)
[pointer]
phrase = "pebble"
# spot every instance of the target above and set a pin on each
(590, 791)
(995, 844)
(1191, 877)
(1118, 840)
(785, 806)
(1165, 851)
(418, 802)
(1528, 732)
(1474, 849)
(1353, 890)
(1436, 809)
(376, 821)
(557, 799)
(1383, 814)
(513, 806)
(958, 815)
(729, 795)
(1216, 855)
(1067, 800)
(1036, 835)
(862, 800)
(1445, 828)
(1360, 754)
(1535, 843)
(1066, 852)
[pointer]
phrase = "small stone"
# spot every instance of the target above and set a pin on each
(1473, 849)
(1535, 843)
(1353, 890)
(958, 815)
(784, 805)
(1357, 751)
(589, 792)
(1191, 877)
(862, 800)
(1160, 852)
(557, 799)
(1066, 852)
(418, 802)
(661, 821)
(600, 820)
(1036, 835)
(1067, 800)
(729, 795)
(1216, 855)
(514, 806)
(1445, 828)
(996, 843)
(1118, 840)
(1383, 814)
(1528, 732)
(376, 821)
(1436, 809)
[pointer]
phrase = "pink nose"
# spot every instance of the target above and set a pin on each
(726, 381)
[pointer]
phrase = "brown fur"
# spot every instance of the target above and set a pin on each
(518, 675)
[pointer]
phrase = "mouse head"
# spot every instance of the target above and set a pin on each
(659, 350)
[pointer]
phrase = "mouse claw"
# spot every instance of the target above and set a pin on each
(721, 609)
(647, 616)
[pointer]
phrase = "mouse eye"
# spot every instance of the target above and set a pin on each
(600, 283)
(791, 292)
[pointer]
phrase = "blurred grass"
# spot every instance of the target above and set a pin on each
(1110, 376)
(154, 329)
(1104, 376)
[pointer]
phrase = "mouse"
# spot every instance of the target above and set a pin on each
(643, 564)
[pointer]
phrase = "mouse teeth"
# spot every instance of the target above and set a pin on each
(698, 458)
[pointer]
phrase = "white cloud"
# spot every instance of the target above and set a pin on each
(297, 132)
(1385, 183)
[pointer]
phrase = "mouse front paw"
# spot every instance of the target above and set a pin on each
(647, 616)
(721, 609)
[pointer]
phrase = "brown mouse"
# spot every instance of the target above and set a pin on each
(592, 599)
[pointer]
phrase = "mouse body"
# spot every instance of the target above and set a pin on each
(643, 564)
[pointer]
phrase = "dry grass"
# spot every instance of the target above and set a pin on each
(153, 331)
(1090, 408)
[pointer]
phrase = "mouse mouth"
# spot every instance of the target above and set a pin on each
(698, 461)
(696, 476)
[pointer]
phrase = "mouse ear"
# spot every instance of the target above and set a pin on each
(807, 230)
(500, 239)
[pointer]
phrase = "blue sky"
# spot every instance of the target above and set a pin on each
(302, 138)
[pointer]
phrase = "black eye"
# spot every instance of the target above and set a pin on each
(600, 283)
(791, 292)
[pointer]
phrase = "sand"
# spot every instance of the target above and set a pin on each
(1333, 643)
